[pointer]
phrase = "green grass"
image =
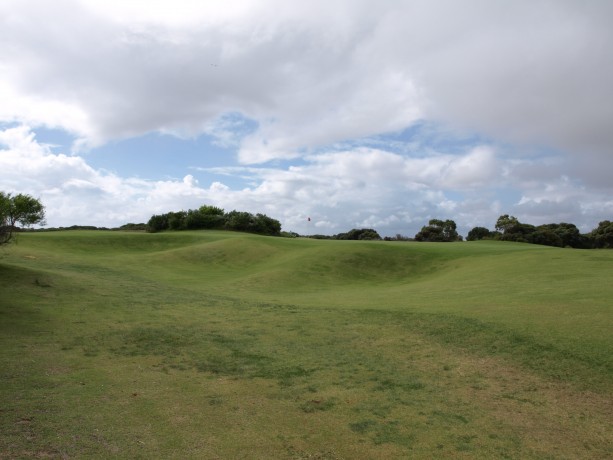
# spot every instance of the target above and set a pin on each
(226, 345)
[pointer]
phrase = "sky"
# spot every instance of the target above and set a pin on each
(352, 113)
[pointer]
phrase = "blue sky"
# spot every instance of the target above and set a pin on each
(347, 112)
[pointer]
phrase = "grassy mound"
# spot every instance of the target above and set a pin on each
(225, 345)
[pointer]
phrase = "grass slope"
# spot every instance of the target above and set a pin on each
(226, 345)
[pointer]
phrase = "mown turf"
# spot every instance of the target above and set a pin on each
(226, 345)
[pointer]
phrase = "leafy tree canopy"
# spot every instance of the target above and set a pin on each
(438, 231)
(506, 223)
(602, 236)
(561, 235)
(211, 217)
(19, 209)
(359, 234)
(479, 233)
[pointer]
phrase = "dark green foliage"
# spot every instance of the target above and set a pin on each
(211, 217)
(211, 211)
(546, 237)
(602, 236)
(353, 234)
(177, 220)
(479, 233)
(81, 227)
(157, 223)
(266, 225)
(511, 229)
(206, 217)
(19, 209)
(359, 234)
(559, 235)
(521, 233)
(238, 220)
(398, 237)
(247, 222)
(505, 223)
(438, 231)
(321, 237)
(194, 220)
(134, 227)
(565, 234)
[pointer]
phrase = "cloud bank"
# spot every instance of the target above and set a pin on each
(364, 187)
(328, 86)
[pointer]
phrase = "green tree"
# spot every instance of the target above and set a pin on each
(567, 235)
(211, 210)
(240, 221)
(478, 233)
(194, 220)
(546, 237)
(157, 223)
(359, 234)
(438, 231)
(519, 232)
(602, 236)
(211, 217)
(177, 220)
(506, 223)
(19, 209)
(266, 225)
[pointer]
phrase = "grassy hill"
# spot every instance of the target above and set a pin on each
(228, 345)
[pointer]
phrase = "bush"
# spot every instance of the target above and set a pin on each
(479, 233)
(134, 227)
(438, 231)
(211, 217)
(602, 236)
(158, 223)
(359, 234)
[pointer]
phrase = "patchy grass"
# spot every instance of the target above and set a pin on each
(225, 345)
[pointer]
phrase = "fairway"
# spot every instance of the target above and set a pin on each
(212, 344)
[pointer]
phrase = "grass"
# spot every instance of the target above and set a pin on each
(226, 345)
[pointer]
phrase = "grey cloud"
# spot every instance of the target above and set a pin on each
(338, 191)
(548, 211)
(307, 83)
(534, 72)
(314, 74)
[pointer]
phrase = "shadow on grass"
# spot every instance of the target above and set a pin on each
(184, 348)
(586, 367)
(21, 313)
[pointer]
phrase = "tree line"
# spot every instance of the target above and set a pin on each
(25, 210)
(214, 218)
(509, 228)
(353, 234)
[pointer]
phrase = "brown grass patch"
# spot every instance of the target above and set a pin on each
(547, 417)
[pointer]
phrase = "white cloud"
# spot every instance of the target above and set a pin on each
(562, 200)
(310, 73)
(74, 192)
(276, 80)
(364, 187)
(531, 72)
(478, 168)
(306, 80)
